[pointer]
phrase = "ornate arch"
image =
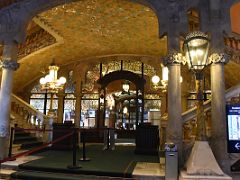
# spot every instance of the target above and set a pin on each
(14, 18)
(118, 75)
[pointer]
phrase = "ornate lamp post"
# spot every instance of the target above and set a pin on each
(201, 162)
(196, 48)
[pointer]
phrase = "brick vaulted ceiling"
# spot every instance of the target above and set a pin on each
(92, 28)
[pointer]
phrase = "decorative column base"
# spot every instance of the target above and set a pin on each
(4, 145)
(202, 164)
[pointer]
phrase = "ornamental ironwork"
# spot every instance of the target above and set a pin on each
(10, 64)
(219, 58)
(174, 58)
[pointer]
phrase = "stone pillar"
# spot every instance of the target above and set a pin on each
(9, 64)
(61, 95)
(78, 95)
(174, 126)
(218, 133)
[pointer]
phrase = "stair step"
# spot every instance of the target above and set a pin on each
(19, 140)
(31, 144)
(16, 148)
(22, 133)
(41, 175)
(6, 173)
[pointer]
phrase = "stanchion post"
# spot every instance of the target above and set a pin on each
(84, 158)
(74, 151)
(11, 142)
(108, 138)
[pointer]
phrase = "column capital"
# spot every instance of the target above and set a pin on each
(219, 58)
(4, 131)
(9, 64)
(173, 58)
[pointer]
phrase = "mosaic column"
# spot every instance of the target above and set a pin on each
(9, 65)
(174, 126)
(218, 133)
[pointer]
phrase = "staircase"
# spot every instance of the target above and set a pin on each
(25, 140)
(24, 116)
(189, 116)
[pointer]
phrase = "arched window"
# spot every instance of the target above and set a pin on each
(40, 99)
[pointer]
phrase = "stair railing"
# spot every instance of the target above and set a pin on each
(191, 113)
(34, 117)
(189, 116)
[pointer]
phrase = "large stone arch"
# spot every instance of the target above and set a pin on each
(14, 18)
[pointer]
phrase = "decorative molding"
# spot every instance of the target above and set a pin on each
(219, 58)
(174, 58)
(9, 64)
(196, 34)
(4, 131)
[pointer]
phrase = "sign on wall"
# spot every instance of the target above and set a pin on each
(233, 128)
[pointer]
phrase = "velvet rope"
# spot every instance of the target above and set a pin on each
(36, 149)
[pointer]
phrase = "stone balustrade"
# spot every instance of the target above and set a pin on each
(233, 48)
(26, 116)
(232, 42)
(189, 116)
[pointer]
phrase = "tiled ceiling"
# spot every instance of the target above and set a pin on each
(94, 28)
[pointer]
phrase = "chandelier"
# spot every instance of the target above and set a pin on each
(50, 82)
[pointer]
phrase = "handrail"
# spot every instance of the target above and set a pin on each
(29, 108)
(191, 113)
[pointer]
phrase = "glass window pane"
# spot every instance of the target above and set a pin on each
(55, 104)
(37, 103)
(37, 96)
(69, 104)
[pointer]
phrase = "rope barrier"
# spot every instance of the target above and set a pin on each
(36, 149)
(34, 129)
(82, 130)
(79, 129)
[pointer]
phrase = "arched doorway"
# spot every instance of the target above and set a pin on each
(124, 100)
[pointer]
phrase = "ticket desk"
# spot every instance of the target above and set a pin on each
(59, 130)
(147, 139)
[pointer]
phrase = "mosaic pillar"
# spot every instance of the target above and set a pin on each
(174, 124)
(9, 65)
(218, 132)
